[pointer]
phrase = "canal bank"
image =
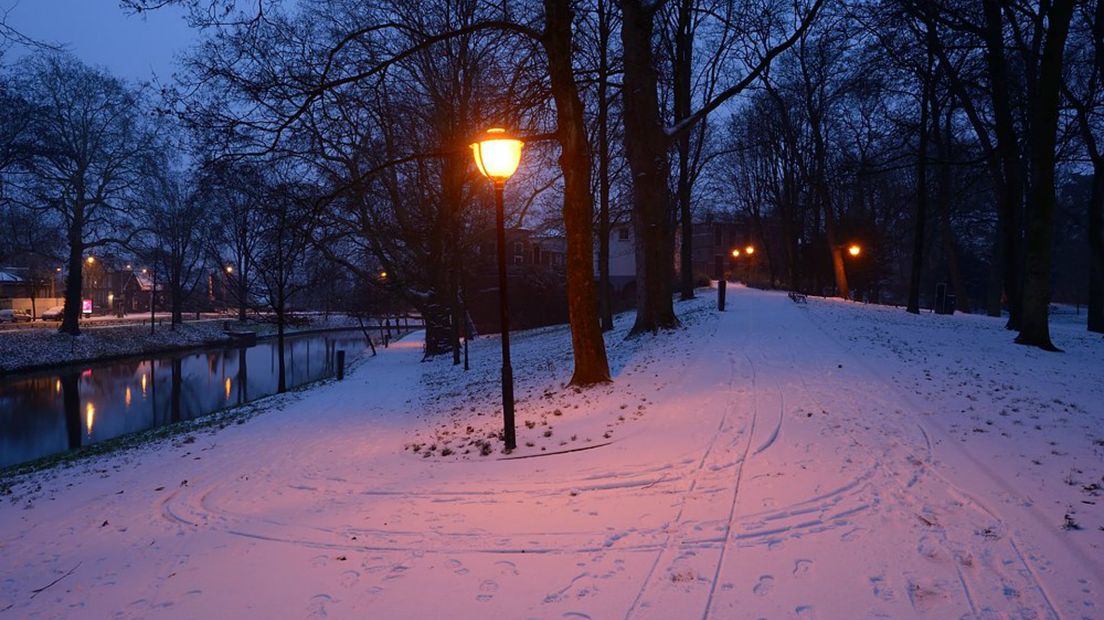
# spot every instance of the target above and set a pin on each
(72, 409)
(34, 350)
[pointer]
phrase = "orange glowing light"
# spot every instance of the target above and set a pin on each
(126, 396)
(143, 385)
(497, 154)
(854, 250)
(91, 259)
(227, 388)
(229, 269)
(735, 253)
(57, 387)
(89, 416)
(749, 250)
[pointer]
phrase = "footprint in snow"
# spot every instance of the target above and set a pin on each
(575, 615)
(349, 578)
(801, 567)
(764, 586)
(505, 567)
(457, 567)
(487, 589)
(317, 606)
(805, 612)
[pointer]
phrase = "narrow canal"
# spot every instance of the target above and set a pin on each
(65, 408)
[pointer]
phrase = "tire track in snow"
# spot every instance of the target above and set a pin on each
(739, 478)
(906, 492)
(674, 527)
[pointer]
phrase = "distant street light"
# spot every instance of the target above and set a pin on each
(91, 259)
(854, 250)
(497, 155)
(735, 253)
(229, 269)
(749, 250)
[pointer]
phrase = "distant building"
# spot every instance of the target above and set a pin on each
(622, 259)
(711, 250)
(535, 271)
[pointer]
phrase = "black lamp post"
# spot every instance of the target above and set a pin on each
(497, 155)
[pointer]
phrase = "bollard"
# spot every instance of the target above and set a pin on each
(721, 284)
(340, 364)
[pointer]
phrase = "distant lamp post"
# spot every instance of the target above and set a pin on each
(736, 253)
(854, 249)
(229, 269)
(91, 260)
(497, 155)
(749, 250)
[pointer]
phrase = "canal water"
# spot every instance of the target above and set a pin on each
(52, 411)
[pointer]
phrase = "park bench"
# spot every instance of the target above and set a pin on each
(798, 298)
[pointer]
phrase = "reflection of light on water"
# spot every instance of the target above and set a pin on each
(227, 388)
(89, 416)
(143, 385)
(127, 396)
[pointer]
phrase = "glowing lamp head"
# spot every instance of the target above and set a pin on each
(383, 275)
(749, 250)
(735, 253)
(229, 269)
(854, 250)
(497, 154)
(91, 259)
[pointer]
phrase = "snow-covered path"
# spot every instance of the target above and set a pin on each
(771, 461)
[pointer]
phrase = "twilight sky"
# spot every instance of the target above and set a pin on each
(100, 33)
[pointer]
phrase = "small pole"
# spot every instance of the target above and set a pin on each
(721, 285)
(341, 364)
(465, 351)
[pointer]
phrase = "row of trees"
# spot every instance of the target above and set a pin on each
(345, 123)
(941, 131)
(90, 169)
(374, 103)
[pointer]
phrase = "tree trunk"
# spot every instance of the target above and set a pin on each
(921, 220)
(683, 65)
(70, 322)
(241, 293)
(950, 251)
(177, 303)
(1011, 195)
(1035, 321)
(591, 365)
(281, 382)
(1096, 250)
(646, 152)
(604, 288)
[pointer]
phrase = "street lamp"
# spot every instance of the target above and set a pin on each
(497, 155)
(749, 250)
(854, 249)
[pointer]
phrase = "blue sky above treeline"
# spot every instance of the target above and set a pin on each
(101, 33)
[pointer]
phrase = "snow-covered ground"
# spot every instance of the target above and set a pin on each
(778, 460)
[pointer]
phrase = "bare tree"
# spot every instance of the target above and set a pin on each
(90, 153)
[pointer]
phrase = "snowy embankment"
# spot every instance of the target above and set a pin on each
(778, 460)
(43, 346)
